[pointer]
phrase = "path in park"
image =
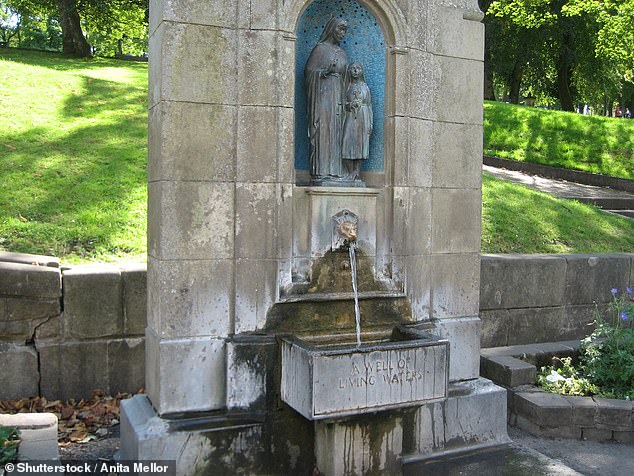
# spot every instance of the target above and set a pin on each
(615, 201)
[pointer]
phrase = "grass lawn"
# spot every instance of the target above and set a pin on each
(516, 219)
(73, 152)
(73, 159)
(601, 145)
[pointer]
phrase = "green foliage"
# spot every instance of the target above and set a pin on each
(9, 442)
(516, 219)
(73, 148)
(594, 144)
(606, 357)
(563, 378)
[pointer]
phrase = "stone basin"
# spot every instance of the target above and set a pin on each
(329, 378)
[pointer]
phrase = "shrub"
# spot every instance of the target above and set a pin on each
(606, 357)
(9, 441)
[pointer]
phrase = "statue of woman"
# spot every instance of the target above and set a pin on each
(324, 75)
(357, 127)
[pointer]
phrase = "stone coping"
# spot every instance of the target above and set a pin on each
(551, 415)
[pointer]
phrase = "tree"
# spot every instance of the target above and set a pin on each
(73, 39)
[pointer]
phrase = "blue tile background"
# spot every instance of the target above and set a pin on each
(363, 43)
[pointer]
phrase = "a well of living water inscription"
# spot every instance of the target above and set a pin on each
(325, 381)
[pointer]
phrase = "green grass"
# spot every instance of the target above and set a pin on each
(516, 219)
(73, 152)
(73, 177)
(596, 144)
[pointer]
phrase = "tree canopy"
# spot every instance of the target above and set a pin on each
(78, 27)
(563, 51)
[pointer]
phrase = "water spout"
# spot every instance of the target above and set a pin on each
(355, 291)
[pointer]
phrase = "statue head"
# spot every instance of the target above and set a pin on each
(334, 30)
(355, 71)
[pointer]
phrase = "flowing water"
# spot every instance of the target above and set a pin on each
(353, 269)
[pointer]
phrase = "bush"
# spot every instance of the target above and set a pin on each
(606, 357)
(9, 441)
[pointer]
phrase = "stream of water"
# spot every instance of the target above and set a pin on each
(353, 270)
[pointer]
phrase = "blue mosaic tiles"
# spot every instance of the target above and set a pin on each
(364, 43)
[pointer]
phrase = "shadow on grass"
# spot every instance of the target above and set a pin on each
(590, 143)
(519, 220)
(61, 62)
(78, 182)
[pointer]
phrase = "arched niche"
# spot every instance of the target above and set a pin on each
(367, 41)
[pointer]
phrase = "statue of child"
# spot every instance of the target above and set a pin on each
(358, 122)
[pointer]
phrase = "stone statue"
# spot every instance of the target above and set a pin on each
(324, 75)
(358, 124)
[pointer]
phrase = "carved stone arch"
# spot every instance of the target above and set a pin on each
(389, 15)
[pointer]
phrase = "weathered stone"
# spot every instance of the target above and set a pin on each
(614, 415)
(258, 82)
(402, 58)
(464, 338)
(49, 329)
(494, 328)
(453, 35)
(257, 153)
(590, 278)
(454, 146)
(191, 220)
(134, 279)
(224, 13)
(255, 293)
(476, 416)
(191, 69)
(424, 84)
(456, 221)
(93, 302)
(185, 375)
(413, 155)
(360, 446)
(546, 410)
(41, 282)
(508, 371)
(19, 372)
(190, 298)
(626, 437)
(126, 365)
(454, 288)
(595, 434)
(561, 431)
(256, 220)
(38, 435)
(540, 325)
(581, 319)
(517, 281)
(459, 98)
(584, 411)
(25, 258)
(73, 370)
(21, 309)
(417, 269)
(204, 150)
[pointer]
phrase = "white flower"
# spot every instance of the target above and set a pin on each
(554, 377)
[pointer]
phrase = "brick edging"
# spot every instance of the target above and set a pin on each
(577, 176)
(551, 415)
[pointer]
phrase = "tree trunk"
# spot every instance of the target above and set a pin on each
(516, 82)
(73, 39)
(563, 86)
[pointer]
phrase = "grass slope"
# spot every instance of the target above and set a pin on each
(601, 145)
(73, 152)
(516, 219)
(73, 159)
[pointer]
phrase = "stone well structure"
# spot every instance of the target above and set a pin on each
(242, 252)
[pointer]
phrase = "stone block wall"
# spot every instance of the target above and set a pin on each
(65, 332)
(527, 299)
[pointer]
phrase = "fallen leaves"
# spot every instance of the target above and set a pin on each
(80, 421)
